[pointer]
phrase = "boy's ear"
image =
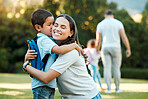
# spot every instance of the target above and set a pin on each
(71, 33)
(38, 27)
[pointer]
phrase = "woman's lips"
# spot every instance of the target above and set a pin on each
(57, 34)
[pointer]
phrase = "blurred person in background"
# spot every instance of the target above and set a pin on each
(108, 33)
(93, 59)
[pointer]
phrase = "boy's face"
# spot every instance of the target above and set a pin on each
(47, 26)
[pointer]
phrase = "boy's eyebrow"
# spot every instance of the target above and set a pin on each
(50, 22)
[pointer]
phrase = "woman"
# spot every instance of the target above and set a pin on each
(72, 78)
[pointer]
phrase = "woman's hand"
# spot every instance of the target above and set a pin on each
(31, 54)
(25, 65)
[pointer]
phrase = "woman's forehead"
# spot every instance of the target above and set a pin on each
(62, 20)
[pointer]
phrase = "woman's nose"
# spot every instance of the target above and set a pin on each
(58, 28)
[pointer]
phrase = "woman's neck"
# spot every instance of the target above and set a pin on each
(59, 42)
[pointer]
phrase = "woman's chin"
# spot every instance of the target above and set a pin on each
(56, 38)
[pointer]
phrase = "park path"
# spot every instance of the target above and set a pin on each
(132, 87)
(15, 86)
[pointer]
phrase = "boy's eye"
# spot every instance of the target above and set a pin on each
(49, 24)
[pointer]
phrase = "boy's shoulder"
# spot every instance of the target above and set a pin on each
(42, 37)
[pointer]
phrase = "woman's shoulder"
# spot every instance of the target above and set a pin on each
(70, 56)
(73, 52)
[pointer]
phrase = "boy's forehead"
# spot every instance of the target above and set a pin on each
(52, 17)
(49, 19)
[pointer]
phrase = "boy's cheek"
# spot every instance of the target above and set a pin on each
(50, 34)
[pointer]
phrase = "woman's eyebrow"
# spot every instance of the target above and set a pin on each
(64, 25)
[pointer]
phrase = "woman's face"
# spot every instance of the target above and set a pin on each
(61, 29)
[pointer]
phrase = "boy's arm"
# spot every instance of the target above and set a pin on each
(67, 48)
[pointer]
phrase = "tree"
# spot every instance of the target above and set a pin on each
(144, 38)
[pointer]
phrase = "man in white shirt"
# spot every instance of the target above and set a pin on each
(108, 33)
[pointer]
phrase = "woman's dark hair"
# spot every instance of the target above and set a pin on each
(74, 37)
(73, 27)
(39, 16)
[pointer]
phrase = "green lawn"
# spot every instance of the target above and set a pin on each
(17, 86)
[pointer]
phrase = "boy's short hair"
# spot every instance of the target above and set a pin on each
(109, 12)
(39, 16)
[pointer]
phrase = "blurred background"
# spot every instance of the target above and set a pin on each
(16, 29)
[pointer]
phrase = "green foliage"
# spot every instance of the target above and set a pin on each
(13, 36)
(3, 60)
(87, 13)
(134, 73)
(144, 39)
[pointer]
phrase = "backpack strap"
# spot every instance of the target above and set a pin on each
(35, 39)
(44, 60)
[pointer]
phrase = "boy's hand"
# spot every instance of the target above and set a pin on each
(31, 54)
(79, 49)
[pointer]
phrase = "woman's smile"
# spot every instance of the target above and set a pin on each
(56, 33)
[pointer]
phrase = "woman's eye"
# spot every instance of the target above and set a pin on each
(55, 25)
(63, 27)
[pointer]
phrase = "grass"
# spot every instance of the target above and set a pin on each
(18, 86)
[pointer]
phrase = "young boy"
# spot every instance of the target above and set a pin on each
(42, 21)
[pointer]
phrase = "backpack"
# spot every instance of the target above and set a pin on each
(37, 62)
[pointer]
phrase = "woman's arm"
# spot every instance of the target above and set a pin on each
(45, 77)
(60, 65)
(63, 62)
(31, 54)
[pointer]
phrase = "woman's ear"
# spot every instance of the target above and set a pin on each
(38, 27)
(71, 33)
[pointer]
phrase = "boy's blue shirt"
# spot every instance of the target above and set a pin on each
(45, 45)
